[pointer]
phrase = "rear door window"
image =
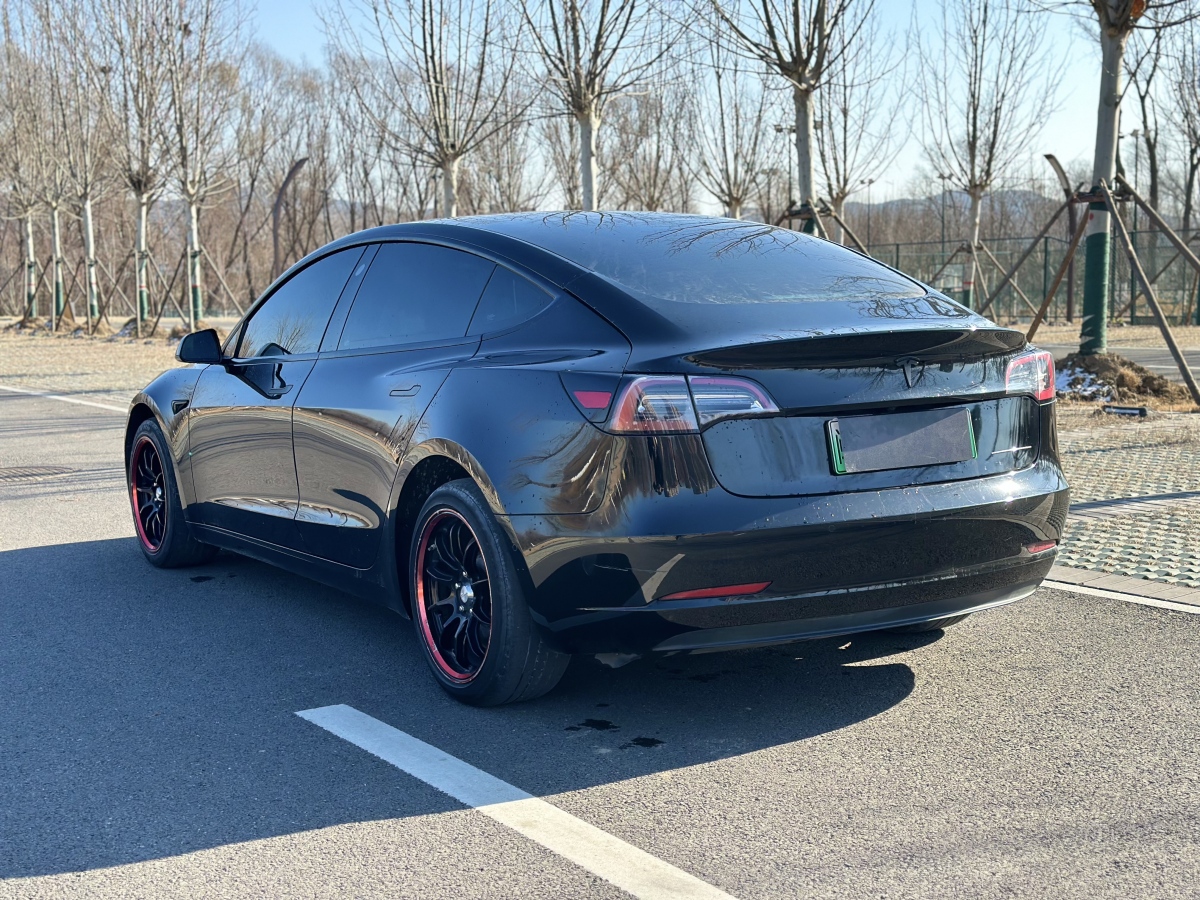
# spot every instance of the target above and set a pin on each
(415, 293)
(293, 319)
(508, 300)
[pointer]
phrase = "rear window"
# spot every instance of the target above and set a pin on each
(697, 260)
(415, 293)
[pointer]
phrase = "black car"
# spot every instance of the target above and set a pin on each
(540, 435)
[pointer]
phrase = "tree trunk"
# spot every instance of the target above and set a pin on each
(588, 124)
(195, 286)
(89, 263)
(839, 210)
(56, 248)
(975, 214)
(803, 100)
(1188, 192)
(142, 263)
(734, 207)
(450, 188)
(1093, 336)
(31, 309)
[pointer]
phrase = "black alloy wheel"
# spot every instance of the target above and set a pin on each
(454, 599)
(164, 536)
(148, 491)
(468, 603)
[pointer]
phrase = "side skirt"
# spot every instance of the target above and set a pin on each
(376, 584)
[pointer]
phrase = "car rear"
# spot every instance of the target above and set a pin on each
(816, 447)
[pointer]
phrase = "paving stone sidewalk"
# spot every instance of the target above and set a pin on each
(1135, 492)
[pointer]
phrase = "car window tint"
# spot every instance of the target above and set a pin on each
(508, 300)
(415, 292)
(293, 319)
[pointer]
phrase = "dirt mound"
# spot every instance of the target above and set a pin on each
(1114, 379)
(180, 331)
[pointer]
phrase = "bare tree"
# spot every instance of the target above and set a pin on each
(201, 42)
(729, 110)
(136, 63)
(507, 174)
(799, 40)
(1117, 20)
(1184, 100)
(442, 65)
(858, 108)
(651, 138)
(593, 50)
(21, 132)
(987, 88)
(1144, 67)
(76, 74)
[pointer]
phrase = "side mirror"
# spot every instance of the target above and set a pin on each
(202, 347)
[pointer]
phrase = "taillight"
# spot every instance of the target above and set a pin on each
(675, 404)
(658, 404)
(722, 398)
(1031, 373)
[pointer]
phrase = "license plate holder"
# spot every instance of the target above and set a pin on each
(906, 440)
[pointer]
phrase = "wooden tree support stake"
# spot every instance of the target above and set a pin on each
(1076, 238)
(1151, 297)
(1024, 256)
(999, 268)
(850, 234)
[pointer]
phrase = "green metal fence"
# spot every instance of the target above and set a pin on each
(1176, 285)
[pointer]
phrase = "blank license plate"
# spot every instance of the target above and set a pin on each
(906, 440)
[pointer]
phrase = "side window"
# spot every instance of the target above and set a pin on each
(293, 319)
(415, 292)
(508, 300)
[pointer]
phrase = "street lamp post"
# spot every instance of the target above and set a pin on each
(788, 130)
(868, 182)
(1133, 236)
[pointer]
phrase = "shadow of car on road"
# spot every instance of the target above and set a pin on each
(148, 713)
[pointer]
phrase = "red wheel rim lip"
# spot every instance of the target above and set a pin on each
(423, 615)
(138, 449)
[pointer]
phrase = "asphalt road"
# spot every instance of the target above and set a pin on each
(1157, 360)
(150, 747)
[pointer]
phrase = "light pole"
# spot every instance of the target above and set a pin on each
(944, 177)
(788, 130)
(1133, 236)
(868, 182)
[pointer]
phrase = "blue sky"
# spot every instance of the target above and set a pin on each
(294, 30)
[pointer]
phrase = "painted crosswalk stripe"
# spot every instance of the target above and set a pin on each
(632, 870)
(61, 398)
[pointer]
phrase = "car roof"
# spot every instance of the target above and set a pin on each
(696, 281)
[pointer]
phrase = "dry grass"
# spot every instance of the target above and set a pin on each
(1187, 336)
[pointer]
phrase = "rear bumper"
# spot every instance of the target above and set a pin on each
(734, 636)
(836, 564)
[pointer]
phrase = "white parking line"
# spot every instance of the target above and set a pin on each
(17, 390)
(1117, 595)
(632, 870)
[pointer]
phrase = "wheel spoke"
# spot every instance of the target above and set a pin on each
(458, 628)
(438, 566)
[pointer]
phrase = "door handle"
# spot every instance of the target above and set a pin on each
(410, 391)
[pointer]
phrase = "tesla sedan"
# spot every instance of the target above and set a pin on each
(540, 435)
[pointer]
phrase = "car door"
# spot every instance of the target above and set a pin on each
(240, 421)
(405, 329)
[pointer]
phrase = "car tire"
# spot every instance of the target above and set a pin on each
(163, 534)
(931, 625)
(468, 604)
